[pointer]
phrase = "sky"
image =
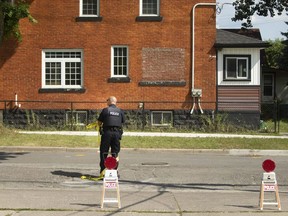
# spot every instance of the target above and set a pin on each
(270, 28)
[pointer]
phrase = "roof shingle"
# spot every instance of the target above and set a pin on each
(235, 38)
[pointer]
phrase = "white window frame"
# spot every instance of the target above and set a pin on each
(161, 123)
(113, 62)
(141, 9)
(62, 61)
(237, 58)
(89, 15)
(76, 118)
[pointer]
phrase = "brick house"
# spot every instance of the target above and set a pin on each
(137, 50)
(155, 56)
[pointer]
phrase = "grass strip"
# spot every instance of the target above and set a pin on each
(44, 140)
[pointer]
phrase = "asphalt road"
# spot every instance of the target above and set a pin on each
(168, 182)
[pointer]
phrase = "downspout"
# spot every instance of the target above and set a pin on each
(196, 93)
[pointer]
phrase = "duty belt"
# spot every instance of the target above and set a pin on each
(113, 128)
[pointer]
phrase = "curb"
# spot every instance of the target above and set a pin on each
(255, 152)
(232, 152)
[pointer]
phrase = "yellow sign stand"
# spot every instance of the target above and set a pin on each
(269, 184)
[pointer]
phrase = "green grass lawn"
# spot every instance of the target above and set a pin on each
(16, 139)
(9, 137)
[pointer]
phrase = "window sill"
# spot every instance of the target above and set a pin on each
(88, 19)
(162, 83)
(119, 80)
(60, 90)
(236, 80)
(149, 19)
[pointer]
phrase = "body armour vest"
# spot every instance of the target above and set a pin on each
(114, 118)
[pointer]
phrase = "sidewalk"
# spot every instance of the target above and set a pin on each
(159, 134)
(137, 202)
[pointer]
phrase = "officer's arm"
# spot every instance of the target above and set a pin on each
(100, 127)
(99, 123)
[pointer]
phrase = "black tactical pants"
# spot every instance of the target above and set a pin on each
(110, 138)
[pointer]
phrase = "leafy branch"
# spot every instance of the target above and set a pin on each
(245, 9)
(10, 15)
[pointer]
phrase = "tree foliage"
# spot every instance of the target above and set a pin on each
(274, 53)
(277, 53)
(284, 58)
(245, 9)
(10, 15)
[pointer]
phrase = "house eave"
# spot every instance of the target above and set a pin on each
(262, 45)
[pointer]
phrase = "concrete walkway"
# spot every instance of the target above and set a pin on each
(161, 134)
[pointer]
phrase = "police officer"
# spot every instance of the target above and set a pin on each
(111, 120)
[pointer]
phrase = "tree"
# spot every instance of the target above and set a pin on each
(277, 53)
(283, 63)
(274, 53)
(10, 14)
(245, 9)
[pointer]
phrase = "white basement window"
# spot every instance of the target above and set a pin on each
(161, 118)
(76, 117)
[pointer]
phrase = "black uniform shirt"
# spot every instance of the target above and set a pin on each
(112, 116)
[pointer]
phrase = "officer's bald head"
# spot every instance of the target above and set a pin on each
(112, 100)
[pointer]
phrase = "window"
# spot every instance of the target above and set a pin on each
(76, 117)
(89, 7)
(268, 86)
(161, 118)
(119, 61)
(149, 7)
(149, 11)
(62, 69)
(237, 67)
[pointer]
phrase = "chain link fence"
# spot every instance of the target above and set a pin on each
(274, 117)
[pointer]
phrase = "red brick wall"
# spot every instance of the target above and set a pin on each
(163, 64)
(20, 67)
